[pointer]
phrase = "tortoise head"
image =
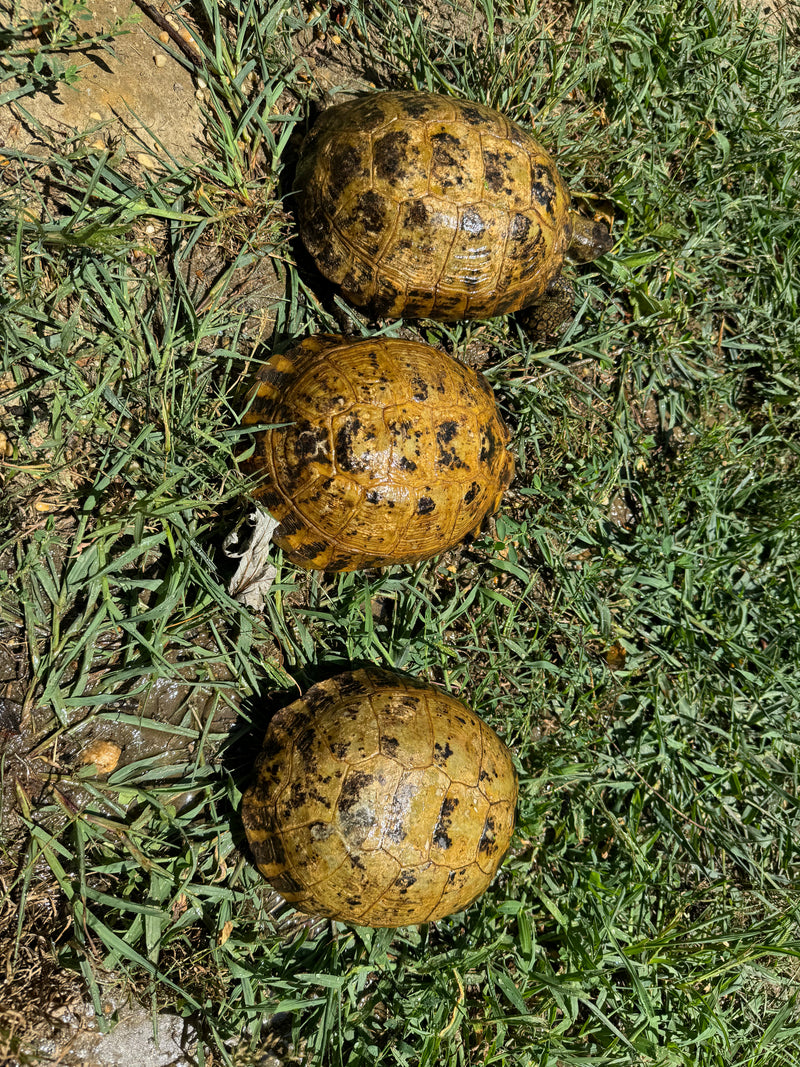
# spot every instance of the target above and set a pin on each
(589, 239)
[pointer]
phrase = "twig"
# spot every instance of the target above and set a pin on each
(188, 50)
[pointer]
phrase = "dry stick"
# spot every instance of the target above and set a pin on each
(188, 50)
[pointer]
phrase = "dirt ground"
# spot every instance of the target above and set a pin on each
(140, 95)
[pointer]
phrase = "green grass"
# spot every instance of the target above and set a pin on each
(641, 662)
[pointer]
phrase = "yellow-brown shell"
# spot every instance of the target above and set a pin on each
(380, 451)
(422, 205)
(381, 801)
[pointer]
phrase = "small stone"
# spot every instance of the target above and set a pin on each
(146, 161)
(95, 116)
(103, 754)
(160, 61)
(163, 37)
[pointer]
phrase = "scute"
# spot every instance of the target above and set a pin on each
(400, 157)
(499, 823)
(458, 829)
(374, 452)
(316, 851)
(348, 729)
(459, 891)
(411, 203)
(452, 174)
(326, 504)
(405, 726)
(353, 888)
(458, 749)
(359, 811)
(491, 778)
(354, 812)
(399, 904)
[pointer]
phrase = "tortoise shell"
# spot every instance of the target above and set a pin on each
(380, 800)
(423, 205)
(378, 451)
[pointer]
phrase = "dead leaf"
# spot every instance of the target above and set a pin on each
(250, 543)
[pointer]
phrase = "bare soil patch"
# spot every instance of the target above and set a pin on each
(130, 94)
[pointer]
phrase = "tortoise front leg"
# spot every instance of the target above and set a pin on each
(549, 317)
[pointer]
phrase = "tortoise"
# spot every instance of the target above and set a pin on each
(380, 800)
(377, 451)
(417, 204)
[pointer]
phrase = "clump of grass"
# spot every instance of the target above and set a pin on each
(629, 625)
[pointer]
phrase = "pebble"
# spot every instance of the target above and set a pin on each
(103, 754)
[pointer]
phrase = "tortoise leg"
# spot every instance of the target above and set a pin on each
(550, 316)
